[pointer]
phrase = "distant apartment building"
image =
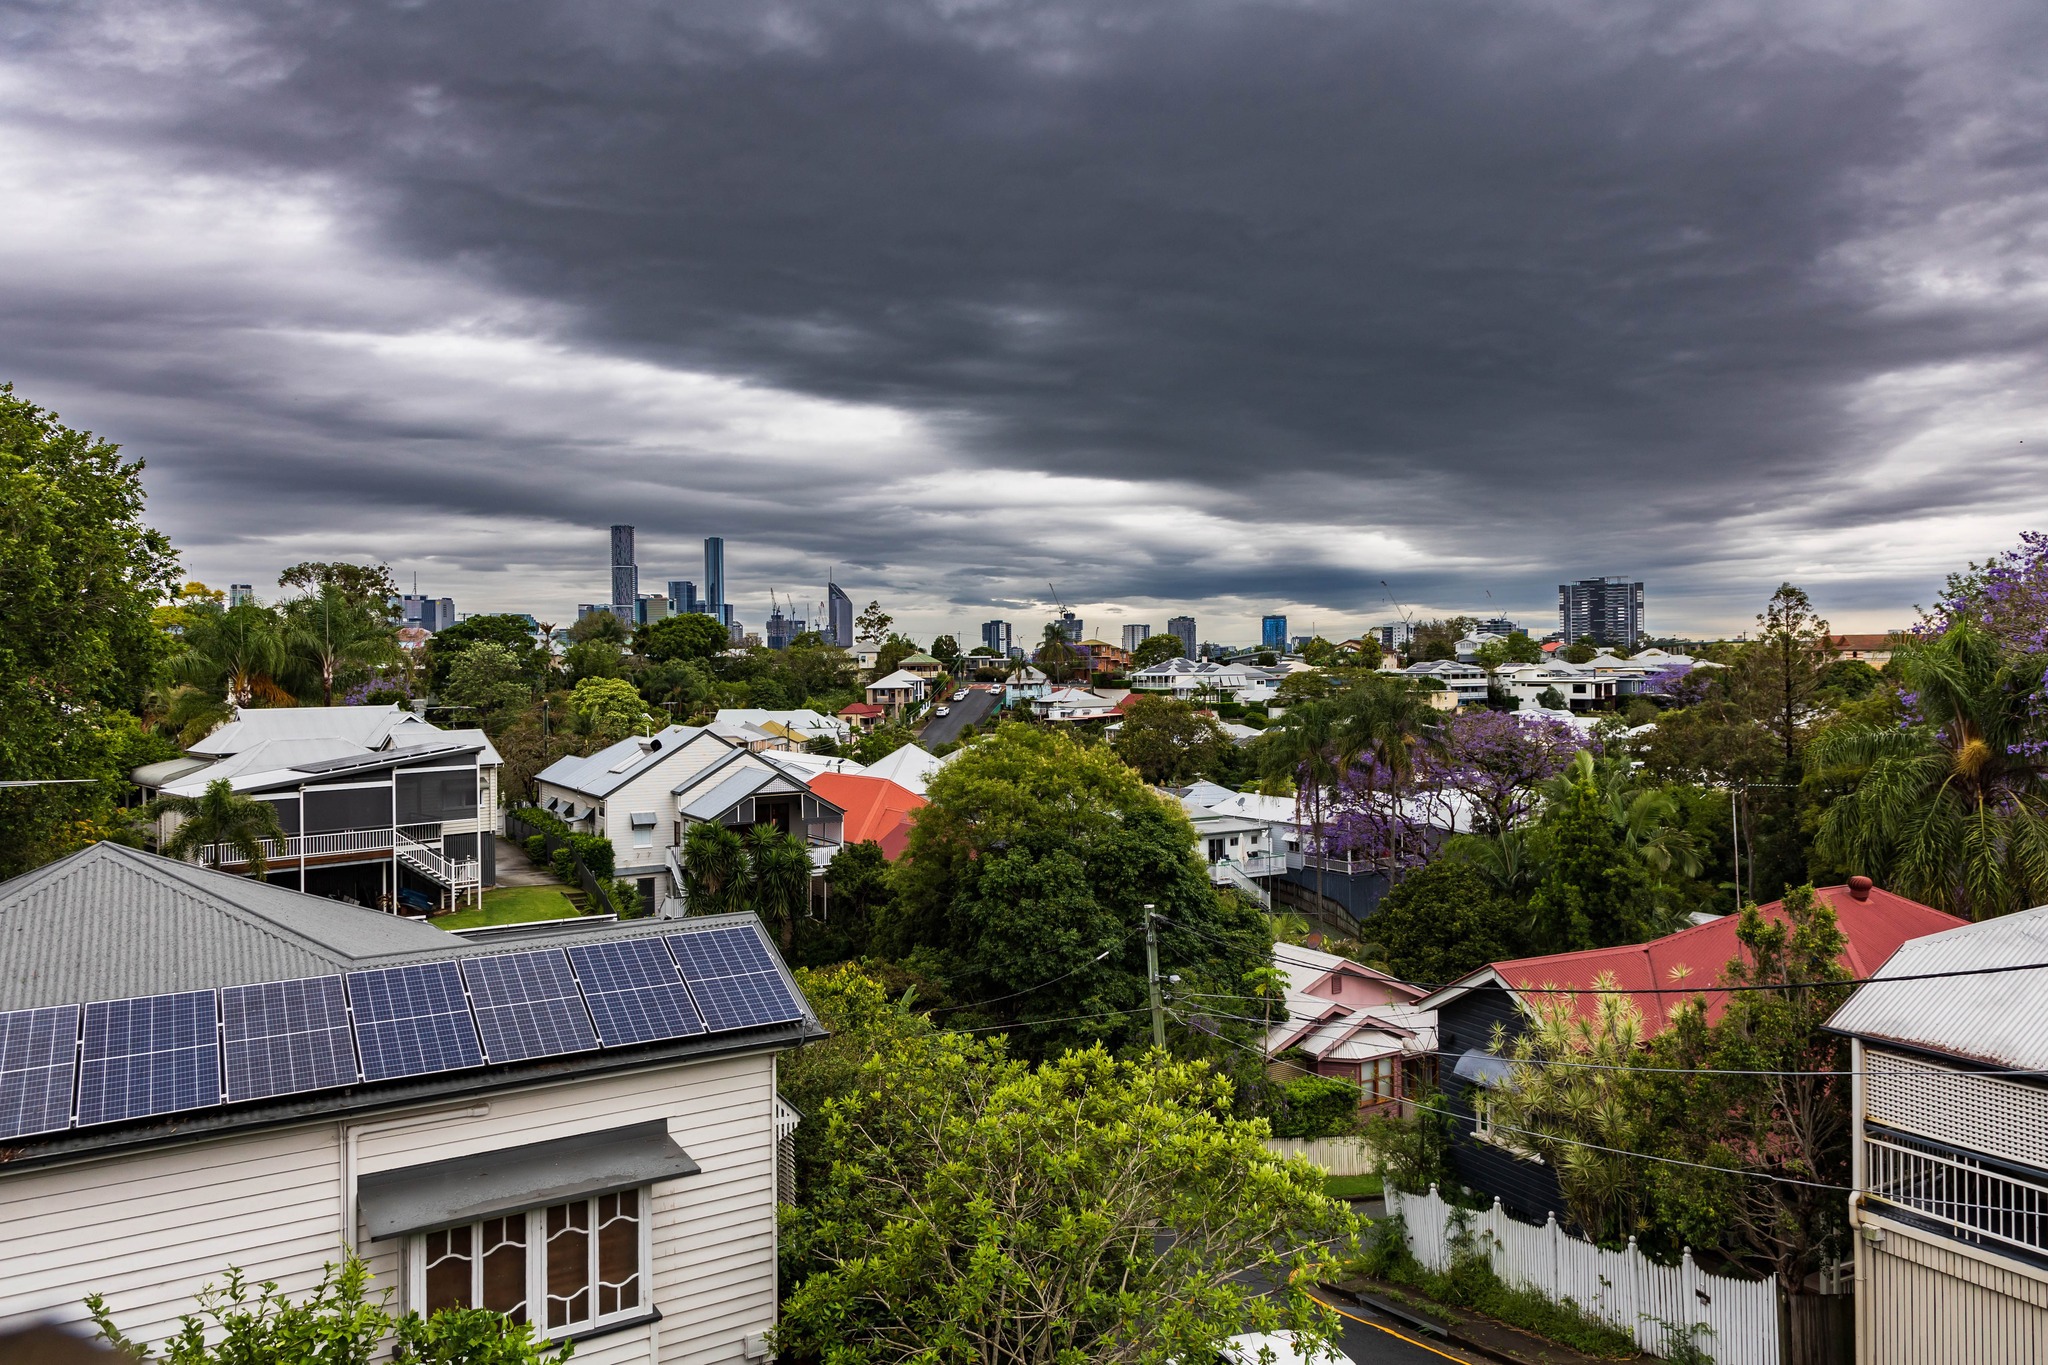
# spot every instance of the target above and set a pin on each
(1071, 626)
(780, 629)
(1273, 632)
(1182, 628)
(238, 593)
(1604, 611)
(625, 598)
(838, 620)
(714, 579)
(995, 635)
(430, 614)
(1395, 636)
(682, 598)
(1494, 625)
(653, 607)
(1135, 636)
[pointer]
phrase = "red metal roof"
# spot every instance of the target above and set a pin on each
(1873, 928)
(861, 708)
(877, 809)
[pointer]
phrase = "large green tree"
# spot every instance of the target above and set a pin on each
(512, 632)
(488, 680)
(1169, 742)
(977, 1209)
(1445, 920)
(1157, 649)
(691, 635)
(81, 575)
(334, 637)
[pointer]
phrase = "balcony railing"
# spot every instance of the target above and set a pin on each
(1974, 1202)
(302, 845)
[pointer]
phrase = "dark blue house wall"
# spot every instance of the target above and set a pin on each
(1526, 1189)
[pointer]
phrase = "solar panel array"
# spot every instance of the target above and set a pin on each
(116, 1060)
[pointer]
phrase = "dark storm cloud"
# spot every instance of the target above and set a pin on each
(1536, 290)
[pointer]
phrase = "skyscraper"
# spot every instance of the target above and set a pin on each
(238, 593)
(714, 579)
(1603, 611)
(682, 597)
(995, 635)
(625, 576)
(838, 616)
(1182, 628)
(781, 628)
(1071, 627)
(1134, 636)
(1273, 632)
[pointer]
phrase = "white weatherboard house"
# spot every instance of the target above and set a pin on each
(1949, 1051)
(197, 1070)
(626, 793)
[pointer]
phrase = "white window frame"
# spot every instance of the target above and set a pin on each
(1482, 1114)
(536, 1268)
(643, 836)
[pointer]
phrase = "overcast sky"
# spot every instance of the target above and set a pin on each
(1184, 305)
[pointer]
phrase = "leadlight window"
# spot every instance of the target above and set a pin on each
(583, 1263)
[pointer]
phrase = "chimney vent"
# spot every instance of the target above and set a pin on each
(1859, 888)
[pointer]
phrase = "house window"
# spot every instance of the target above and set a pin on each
(1377, 1079)
(1482, 1116)
(567, 1267)
(643, 836)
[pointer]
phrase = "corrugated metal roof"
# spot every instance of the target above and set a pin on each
(604, 772)
(366, 726)
(1997, 1018)
(727, 794)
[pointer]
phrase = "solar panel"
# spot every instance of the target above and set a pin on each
(633, 991)
(155, 1055)
(733, 979)
(527, 1005)
(38, 1063)
(413, 1020)
(286, 1037)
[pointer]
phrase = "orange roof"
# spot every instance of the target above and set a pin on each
(1553, 646)
(1863, 644)
(1873, 930)
(877, 810)
(1127, 701)
(861, 708)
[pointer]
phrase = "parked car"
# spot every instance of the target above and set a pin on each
(942, 710)
(1275, 1348)
(961, 695)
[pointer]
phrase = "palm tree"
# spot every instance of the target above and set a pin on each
(1056, 653)
(237, 656)
(1386, 720)
(779, 879)
(1303, 746)
(218, 816)
(1952, 811)
(715, 867)
(328, 632)
(1504, 860)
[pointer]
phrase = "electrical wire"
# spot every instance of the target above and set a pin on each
(1052, 981)
(1592, 1146)
(1064, 1019)
(1704, 990)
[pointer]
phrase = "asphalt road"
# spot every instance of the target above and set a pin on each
(976, 710)
(1372, 1340)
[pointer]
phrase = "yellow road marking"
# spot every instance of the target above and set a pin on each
(1391, 1332)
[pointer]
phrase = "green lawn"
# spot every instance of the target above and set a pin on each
(511, 905)
(1353, 1187)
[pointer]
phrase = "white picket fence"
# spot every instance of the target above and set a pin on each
(1625, 1289)
(1338, 1156)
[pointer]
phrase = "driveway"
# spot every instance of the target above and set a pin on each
(981, 703)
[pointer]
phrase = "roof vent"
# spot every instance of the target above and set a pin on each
(1859, 888)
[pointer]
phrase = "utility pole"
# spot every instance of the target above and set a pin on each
(1152, 979)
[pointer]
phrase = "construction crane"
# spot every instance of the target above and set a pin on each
(1401, 610)
(1056, 598)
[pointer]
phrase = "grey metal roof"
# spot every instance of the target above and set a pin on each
(593, 776)
(366, 726)
(111, 922)
(386, 758)
(728, 794)
(156, 774)
(1996, 1018)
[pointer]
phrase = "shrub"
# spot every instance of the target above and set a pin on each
(1316, 1107)
(536, 846)
(625, 898)
(563, 864)
(596, 852)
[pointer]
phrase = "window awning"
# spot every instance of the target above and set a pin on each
(643, 819)
(443, 1194)
(1482, 1067)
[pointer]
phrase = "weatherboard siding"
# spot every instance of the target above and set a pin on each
(1527, 1189)
(149, 1230)
(1923, 1299)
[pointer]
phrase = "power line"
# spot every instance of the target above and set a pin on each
(1613, 1151)
(997, 1000)
(1064, 1019)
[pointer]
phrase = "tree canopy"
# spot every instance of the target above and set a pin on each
(691, 635)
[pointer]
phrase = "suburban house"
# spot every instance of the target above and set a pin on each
(1348, 1021)
(1581, 687)
(1074, 704)
(897, 693)
(1468, 648)
(801, 725)
(1875, 650)
(922, 665)
(578, 1128)
(1505, 995)
(1466, 682)
(378, 807)
(873, 809)
(1025, 683)
(756, 738)
(1185, 678)
(626, 792)
(909, 767)
(1104, 657)
(745, 788)
(861, 717)
(1951, 1147)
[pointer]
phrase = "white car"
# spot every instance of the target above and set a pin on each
(942, 710)
(961, 695)
(1277, 1348)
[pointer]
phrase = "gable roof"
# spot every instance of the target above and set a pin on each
(612, 767)
(861, 708)
(876, 809)
(1873, 930)
(908, 766)
(1994, 1017)
(111, 922)
(902, 677)
(366, 726)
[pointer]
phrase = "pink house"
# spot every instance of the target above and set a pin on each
(1349, 1021)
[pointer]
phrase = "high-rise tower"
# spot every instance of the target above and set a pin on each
(838, 616)
(714, 579)
(625, 599)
